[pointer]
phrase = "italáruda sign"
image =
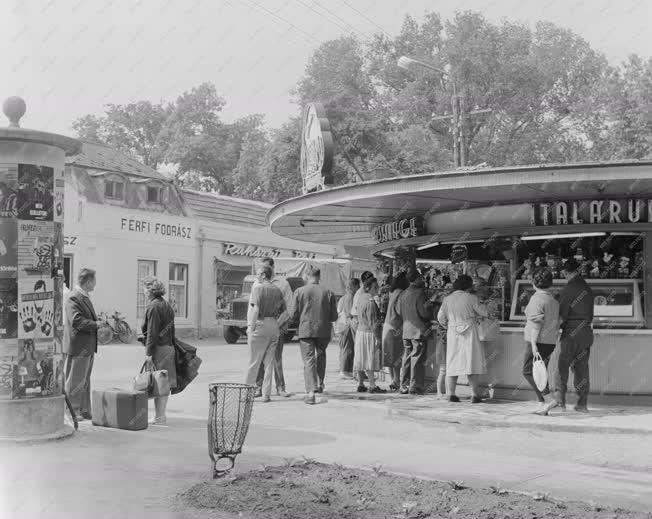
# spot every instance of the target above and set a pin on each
(580, 212)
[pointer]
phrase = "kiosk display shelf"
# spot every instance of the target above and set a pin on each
(616, 301)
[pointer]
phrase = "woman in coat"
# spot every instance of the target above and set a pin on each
(158, 329)
(347, 332)
(368, 338)
(393, 332)
(459, 314)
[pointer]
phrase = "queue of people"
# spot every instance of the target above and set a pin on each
(391, 330)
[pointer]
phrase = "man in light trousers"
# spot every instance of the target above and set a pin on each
(288, 297)
(266, 314)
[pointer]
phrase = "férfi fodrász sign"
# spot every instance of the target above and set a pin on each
(398, 229)
(158, 228)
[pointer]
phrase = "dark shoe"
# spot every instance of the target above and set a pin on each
(393, 387)
(404, 391)
(320, 389)
(376, 389)
(87, 415)
(476, 400)
(258, 393)
(454, 398)
(362, 389)
(416, 391)
(581, 409)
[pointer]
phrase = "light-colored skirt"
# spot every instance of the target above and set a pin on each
(392, 346)
(366, 355)
(464, 352)
(163, 358)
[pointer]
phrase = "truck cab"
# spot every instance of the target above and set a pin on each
(235, 326)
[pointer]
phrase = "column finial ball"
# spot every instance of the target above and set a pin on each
(14, 108)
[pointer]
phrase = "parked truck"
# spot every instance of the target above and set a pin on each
(334, 276)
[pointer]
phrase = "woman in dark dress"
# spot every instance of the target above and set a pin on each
(158, 330)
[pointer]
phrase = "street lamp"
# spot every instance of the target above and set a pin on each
(459, 112)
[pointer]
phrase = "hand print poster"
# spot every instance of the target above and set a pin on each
(35, 192)
(36, 308)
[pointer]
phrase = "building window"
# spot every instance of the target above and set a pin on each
(155, 194)
(178, 294)
(114, 189)
(145, 268)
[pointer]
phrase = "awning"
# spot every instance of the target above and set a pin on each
(231, 262)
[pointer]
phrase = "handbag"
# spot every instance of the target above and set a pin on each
(160, 383)
(488, 330)
(143, 381)
(539, 372)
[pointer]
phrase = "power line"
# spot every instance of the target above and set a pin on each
(366, 18)
(320, 14)
(364, 36)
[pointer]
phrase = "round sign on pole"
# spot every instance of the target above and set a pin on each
(316, 149)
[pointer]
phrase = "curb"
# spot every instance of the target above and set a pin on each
(65, 432)
(506, 424)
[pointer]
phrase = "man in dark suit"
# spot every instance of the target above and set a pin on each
(80, 343)
(576, 315)
(316, 310)
(413, 308)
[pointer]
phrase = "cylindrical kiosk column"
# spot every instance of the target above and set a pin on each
(31, 279)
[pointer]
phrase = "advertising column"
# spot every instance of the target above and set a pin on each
(31, 258)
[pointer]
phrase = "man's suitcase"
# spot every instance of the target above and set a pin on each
(120, 408)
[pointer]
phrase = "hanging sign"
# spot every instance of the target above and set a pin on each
(459, 253)
(593, 212)
(399, 229)
(316, 149)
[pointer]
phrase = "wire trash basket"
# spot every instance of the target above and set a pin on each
(229, 415)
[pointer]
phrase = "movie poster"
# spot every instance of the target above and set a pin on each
(59, 188)
(8, 308)
(36, 309)
(33, 369)
(35, 192)
(8, 192)
(8, 248)
(35, 248)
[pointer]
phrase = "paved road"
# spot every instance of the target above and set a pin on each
(149, 468)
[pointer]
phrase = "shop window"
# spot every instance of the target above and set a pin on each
(178, 293)
(155, 194)
(146, 268)
(114, 189)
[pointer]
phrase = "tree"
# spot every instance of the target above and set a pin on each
(134, 129)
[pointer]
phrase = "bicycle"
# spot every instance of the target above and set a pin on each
(119, 328)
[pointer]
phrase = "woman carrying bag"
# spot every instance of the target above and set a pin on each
(158, 332)
(540, 333)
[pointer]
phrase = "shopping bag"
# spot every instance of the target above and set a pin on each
(160, 383)
(143, 381)
(539, 372)
(488, 329)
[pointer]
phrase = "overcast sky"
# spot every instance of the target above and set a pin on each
(67, 58)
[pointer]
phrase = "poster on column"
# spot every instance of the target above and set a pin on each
(36, 309)
(35, 192)
(8, 192)
(6, 370)
(35, 248)
(33, 369)
(57, 251)
(8, 308)
(59, 187)
(8, 248)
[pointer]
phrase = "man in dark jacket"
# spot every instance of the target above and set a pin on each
(412, 307)
(576, 315)
(316, 310)
(80, 343)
